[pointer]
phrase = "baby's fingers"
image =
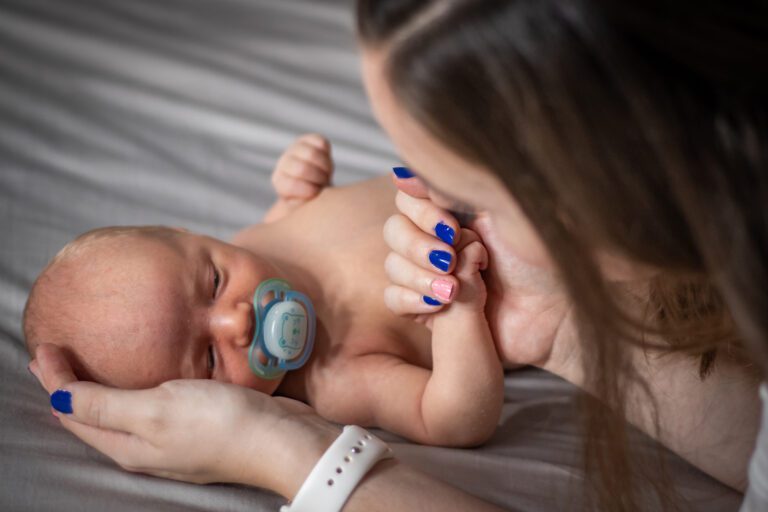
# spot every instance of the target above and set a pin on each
(404, 301)
(426, 283)
(294, 167)
(315, 140)
(314, 151)
(472, 259)
(289, 187)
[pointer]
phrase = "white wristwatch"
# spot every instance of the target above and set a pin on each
(339, 470)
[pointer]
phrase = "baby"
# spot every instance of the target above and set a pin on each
(137, 306)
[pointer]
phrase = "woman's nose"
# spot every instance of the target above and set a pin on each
(234, 324)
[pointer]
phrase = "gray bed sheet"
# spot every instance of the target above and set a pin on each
(174, 112)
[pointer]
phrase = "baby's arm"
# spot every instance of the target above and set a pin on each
(459, 402)
(465, 393)
(303, 170)
(463, 397)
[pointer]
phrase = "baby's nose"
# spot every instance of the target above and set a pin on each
(235, 325)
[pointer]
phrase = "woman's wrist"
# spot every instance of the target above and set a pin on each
(319, 437)
(339, 471)
(282, 462)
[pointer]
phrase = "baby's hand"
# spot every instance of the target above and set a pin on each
(471, 259)
(304, 169)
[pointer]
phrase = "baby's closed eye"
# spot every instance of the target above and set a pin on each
(211, 361)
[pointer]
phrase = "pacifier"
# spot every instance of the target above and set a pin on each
(285, 329)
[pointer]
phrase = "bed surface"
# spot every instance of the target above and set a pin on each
(174, 112)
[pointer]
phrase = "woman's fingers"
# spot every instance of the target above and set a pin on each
(404, 273)
(418, 291)
(428, 217)
(124, 448)
(91, 418)
(423, 238)
(109, 408)
(404, 301)
(51, 367)
(426, 251)
(409, 183)
(87, 402)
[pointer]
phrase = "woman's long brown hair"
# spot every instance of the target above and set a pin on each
(636, 126)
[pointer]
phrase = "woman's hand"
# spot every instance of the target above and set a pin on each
(527, 308)
(424, 240)
(193, 430)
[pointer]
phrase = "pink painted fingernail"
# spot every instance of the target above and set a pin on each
(442, 289)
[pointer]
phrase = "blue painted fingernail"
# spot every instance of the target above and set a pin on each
(445, 232)
(403, 172)
(61, 400)
(440, 259)
(430, 301)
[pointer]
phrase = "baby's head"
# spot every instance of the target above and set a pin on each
(136, 306)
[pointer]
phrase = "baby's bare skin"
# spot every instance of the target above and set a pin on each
(335, 242)
(141, 308)
(370, 366)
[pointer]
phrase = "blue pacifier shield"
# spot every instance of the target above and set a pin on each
(285, 329)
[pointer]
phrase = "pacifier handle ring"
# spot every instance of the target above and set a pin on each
(276, 286)
(304, 300)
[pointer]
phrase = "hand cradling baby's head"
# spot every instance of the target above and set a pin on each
(105, 299)
(133, 307)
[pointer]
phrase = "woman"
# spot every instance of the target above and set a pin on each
(615, 157)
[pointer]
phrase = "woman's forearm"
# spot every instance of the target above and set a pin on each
(712, 423)
(389, 485)
(392, 485)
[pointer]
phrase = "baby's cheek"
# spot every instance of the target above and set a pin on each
(266, 386)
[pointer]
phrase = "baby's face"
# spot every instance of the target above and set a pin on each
(183, 309)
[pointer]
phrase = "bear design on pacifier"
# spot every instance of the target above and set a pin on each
(285, 329)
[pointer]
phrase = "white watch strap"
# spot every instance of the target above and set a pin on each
(338, 471)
